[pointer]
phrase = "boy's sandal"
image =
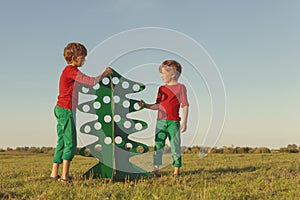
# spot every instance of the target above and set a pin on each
(176, 175)
(54, 178)
(67, 180)
(156, 173)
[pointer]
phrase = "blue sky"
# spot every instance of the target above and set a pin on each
(255, 45)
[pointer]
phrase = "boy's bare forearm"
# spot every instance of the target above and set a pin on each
(185, 113)
(152, 106)
(98, 79)
(143, 104)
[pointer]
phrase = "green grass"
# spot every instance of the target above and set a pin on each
(217, 176)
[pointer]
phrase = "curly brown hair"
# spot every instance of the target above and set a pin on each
(74, 50)
(171, 66)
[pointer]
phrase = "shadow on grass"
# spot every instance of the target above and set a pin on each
(220, 170)
(9, 195)
(234, 170)
(192, 172)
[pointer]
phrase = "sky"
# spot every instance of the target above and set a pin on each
(254, 46)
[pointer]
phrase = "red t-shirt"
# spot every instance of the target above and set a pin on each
(67, 94)
(169, 98)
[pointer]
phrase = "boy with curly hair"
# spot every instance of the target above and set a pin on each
(74, 54)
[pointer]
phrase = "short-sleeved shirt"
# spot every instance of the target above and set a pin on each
(169, 99)
(68, 94)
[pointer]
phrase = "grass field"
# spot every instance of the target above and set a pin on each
(217, 176)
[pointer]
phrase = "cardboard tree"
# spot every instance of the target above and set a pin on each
(113, 148)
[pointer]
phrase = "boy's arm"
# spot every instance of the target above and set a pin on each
(185, 113)
(152, 106)
(155, 106)
(143, 104)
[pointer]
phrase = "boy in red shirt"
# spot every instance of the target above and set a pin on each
(170, 97)
(74, 54)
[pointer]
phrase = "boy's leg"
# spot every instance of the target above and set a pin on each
(176, 171)
(54, 173)
(160, 139)
(175, 142)
(67, 141)
(65, 170)
(69, 137)
(59, 113)
(70, 144)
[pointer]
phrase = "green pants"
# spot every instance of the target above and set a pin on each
(66, 133)
(167, 129)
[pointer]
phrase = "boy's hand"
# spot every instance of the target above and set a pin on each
(142, 104)
(107, 71)
(183, 127)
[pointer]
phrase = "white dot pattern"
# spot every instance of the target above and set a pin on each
(85, 90)
(86, 108)
(107, 140)
(98, 126)
(138, 126)
(127, 124)
(97, 86)
(116, 99)
(105, 81)
(117, 118)
(115, 80)
(128, 146)
(137, 106)
(125, 85)
(107, 118)
(106, 99)
(97, 105)
(126, 104)
(87, 129)
(136, 87)
(98, 147)
(118, 140)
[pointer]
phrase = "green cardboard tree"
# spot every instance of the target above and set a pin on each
(113, 148)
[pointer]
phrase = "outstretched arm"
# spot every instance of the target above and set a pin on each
(152, 106)
(185, 113)
(142, 104)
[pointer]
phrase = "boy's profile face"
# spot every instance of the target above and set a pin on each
(166, 76)
(81, 60)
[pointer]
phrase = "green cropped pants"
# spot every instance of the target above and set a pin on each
(167, 129)
(66, 133)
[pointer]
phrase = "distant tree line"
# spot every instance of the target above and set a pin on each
(291, 148)
(30, 149)
(240, 150)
